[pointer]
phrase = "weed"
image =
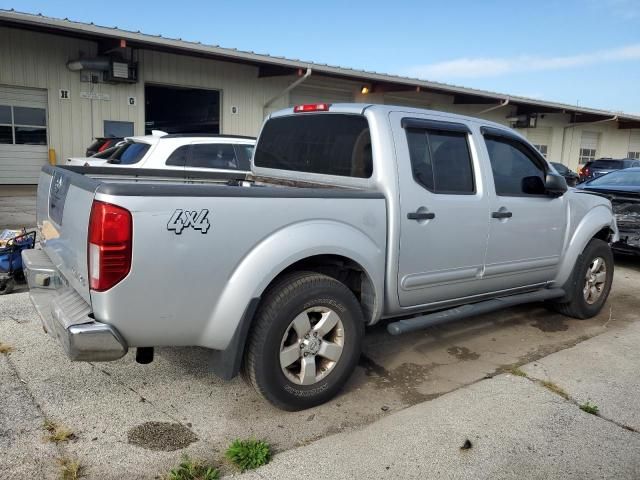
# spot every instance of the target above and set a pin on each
(249, 454)
(517, 372)
(6, 348)
(70, 469)
(190, 469)
(57, 433)
(555, 389)
(589, 408)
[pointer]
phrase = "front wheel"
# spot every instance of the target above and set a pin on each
(592, 279)
(305, 341)
(7, 286)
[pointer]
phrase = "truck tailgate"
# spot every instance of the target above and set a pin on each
(63, 210)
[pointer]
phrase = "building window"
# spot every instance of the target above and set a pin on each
(587, 155)
(542, 149)
(23, 125)
(634, 155)
(589, 142)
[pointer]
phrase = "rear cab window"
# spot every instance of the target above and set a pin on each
(328, 144)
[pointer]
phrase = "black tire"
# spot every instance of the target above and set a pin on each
(575, 305)
(7, 286)
(290, 297)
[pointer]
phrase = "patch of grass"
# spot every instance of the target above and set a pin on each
(249, 454)
(70, 469)
(57, 433)
(517, 372)
(190, 469)
(5, 348)
(555, 389)
(589, 408)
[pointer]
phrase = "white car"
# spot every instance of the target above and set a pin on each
(190, 152)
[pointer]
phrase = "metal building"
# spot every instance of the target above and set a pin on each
(63, 83)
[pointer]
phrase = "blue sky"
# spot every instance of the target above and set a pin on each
(574, 51)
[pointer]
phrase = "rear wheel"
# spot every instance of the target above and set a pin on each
(305, 341)
(592, 279)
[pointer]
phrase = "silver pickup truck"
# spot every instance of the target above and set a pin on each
(353, 214)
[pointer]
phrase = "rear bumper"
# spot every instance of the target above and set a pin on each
(65, 314)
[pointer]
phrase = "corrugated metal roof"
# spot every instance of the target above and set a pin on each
(158, 41)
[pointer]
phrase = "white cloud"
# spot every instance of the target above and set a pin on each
(493, 67)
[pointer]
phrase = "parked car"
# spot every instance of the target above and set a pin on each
(603, 166)
(622, 187)
(354, 214)
(569, 175)
(96, 160)
(100, 144)
(191, 152)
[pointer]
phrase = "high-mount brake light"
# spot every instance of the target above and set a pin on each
(109, 245)
(311, 107)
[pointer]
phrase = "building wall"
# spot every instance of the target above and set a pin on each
(38, 60)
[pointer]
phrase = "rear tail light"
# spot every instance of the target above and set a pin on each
(311, 107)
(110, 245)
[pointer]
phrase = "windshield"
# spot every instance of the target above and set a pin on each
(129, 153)
(623, 178)
(330, 144)
(560, 168)
(612, 164)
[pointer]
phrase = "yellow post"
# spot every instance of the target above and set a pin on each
(52, 157)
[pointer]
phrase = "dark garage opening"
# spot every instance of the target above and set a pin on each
(181, 110)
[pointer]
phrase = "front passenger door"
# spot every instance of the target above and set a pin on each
(527, 230)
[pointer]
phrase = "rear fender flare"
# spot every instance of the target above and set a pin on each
(280, 250)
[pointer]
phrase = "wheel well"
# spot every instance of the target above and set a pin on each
(604, 234)
(346, 271)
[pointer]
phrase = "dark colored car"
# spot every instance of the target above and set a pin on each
(100, 144)
(602, 166)
(622, 187)
(569, 175)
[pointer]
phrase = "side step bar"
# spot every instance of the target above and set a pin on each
(469, 310)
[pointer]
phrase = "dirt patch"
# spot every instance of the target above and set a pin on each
(550, 323)
(463, 353)
(163, 436)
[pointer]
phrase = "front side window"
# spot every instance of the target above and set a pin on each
(440, 161)
(324, 143)
(515, 169)
(212, 155)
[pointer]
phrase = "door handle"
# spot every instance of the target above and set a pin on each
(501, 215)
(421, 215)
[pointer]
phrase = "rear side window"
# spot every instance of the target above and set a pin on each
(178, 157)
(329, 144)
(516, 171)
(129, 153)
(440, 161)
(212, 155)
(612, 164)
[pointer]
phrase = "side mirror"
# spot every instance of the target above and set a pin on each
(555, 185)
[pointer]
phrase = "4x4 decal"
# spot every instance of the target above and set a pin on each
(182, 219)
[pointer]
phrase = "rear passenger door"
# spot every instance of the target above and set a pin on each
(527, 225)
(444, 210)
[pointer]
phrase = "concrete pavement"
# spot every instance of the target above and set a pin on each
(517, 427)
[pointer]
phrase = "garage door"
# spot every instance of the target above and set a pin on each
(23, 134)
(311, 94)
(634, 145)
